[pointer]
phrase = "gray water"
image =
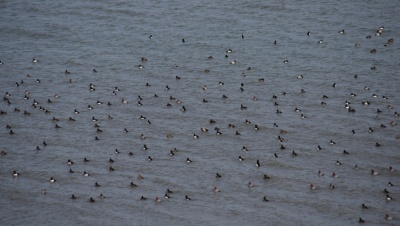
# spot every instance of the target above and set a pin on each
(113, 36)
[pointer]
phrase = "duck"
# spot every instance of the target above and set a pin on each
(240, 158)
(215, 189)
(312, 187)
(258, 163)
(15, 174)
(52, 179)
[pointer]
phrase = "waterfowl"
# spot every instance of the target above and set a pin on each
(187, 198)
(240, 158)
(360, 220)
(15, 174)
(52, 179)
(258, 163)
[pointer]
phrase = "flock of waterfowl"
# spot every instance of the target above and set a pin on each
(20, 92)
